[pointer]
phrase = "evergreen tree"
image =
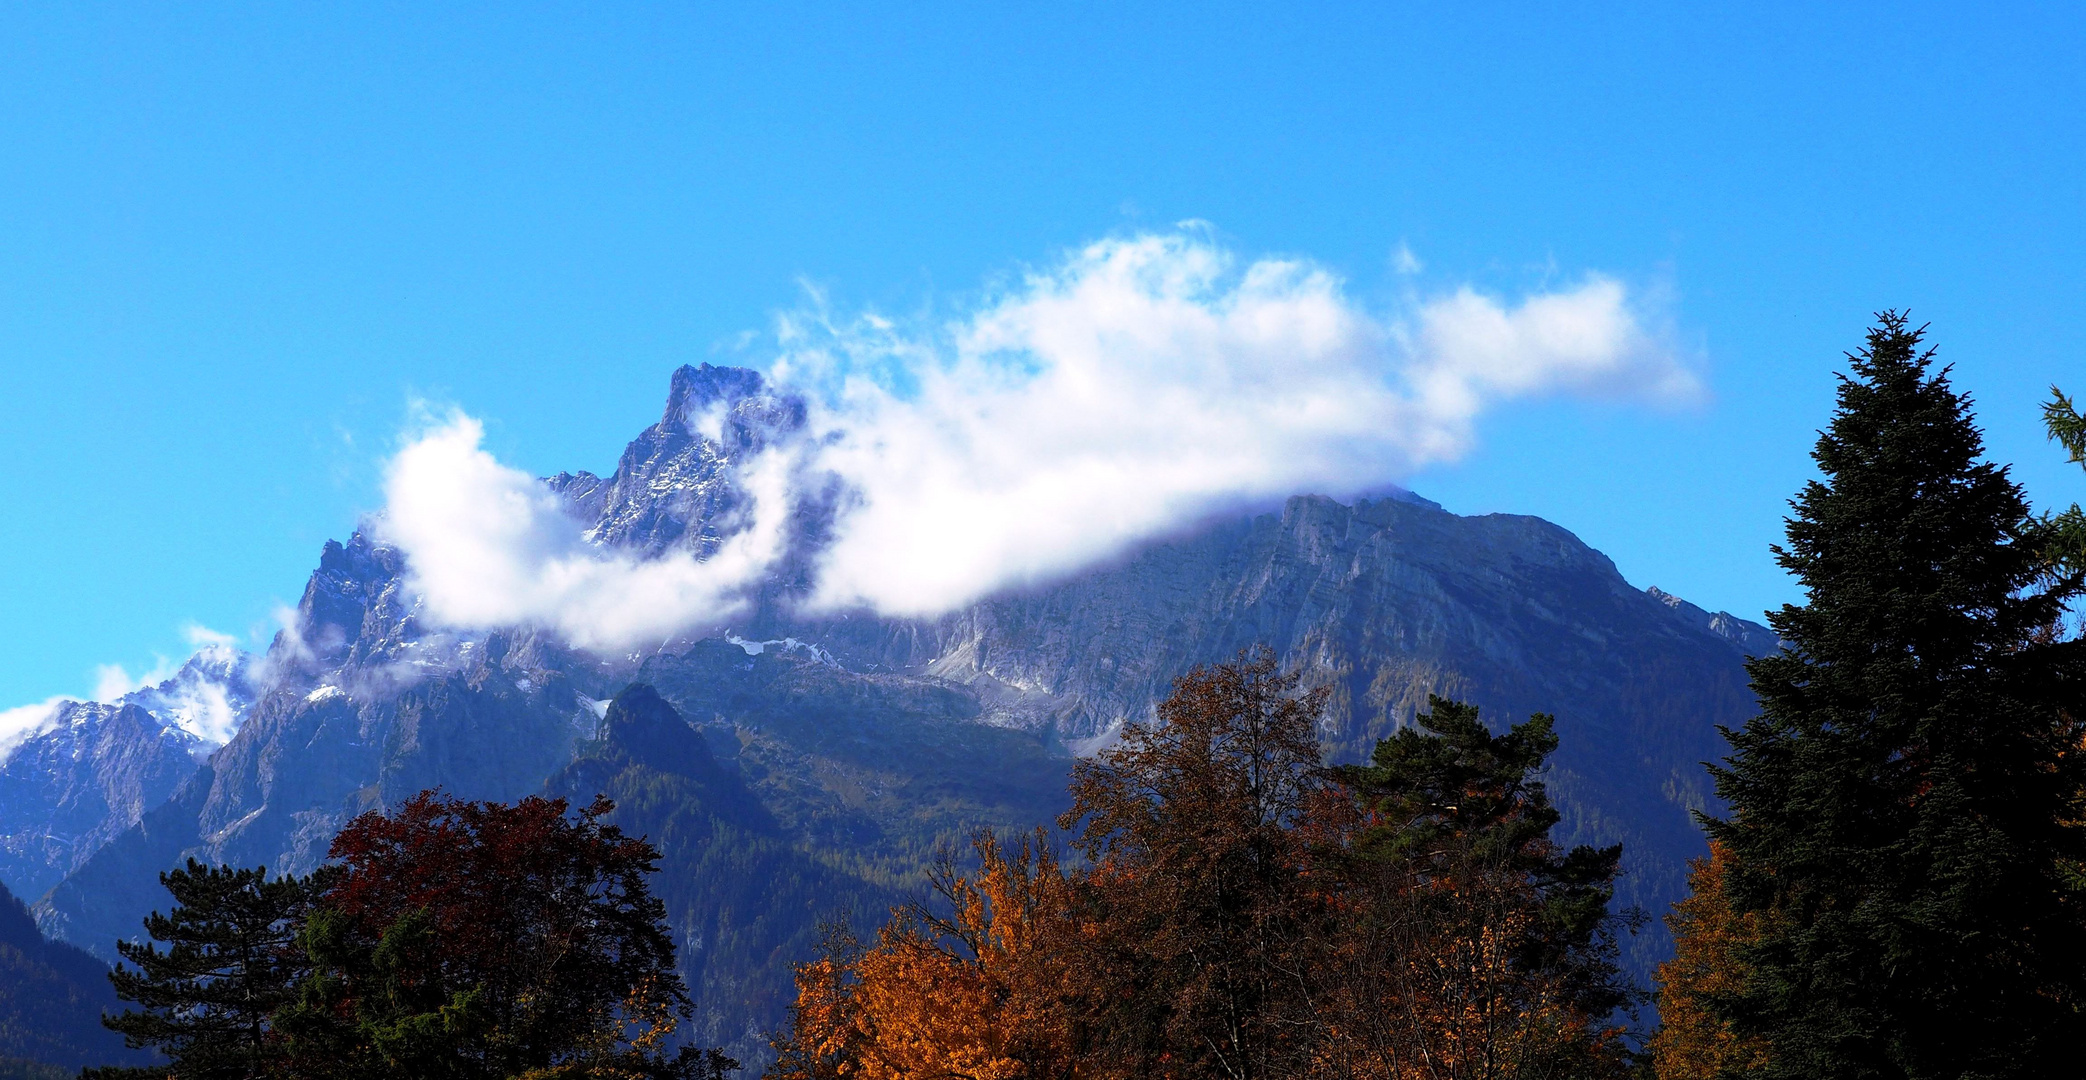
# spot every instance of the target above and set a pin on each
(1463, 941)
(1448, 798)
(2065, 543)
(231, 959)
(1906, 804)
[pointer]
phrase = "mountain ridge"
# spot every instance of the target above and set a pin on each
(867, 742)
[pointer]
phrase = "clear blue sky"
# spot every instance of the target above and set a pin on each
(234, 241)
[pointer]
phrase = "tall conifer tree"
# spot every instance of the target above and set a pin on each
(1907, 802)
(231, 960)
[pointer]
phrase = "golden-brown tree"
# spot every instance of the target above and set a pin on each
(1693, 1041)
(970, 987)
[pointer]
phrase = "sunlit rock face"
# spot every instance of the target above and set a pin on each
(92, 769)
(837, 751)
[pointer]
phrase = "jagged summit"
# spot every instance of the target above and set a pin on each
(673, 488)
(696, 390)
(1748, 636)
(207, 698)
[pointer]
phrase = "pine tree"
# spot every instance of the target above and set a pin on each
(1463, 940)
(1906, 803)
(231, 959)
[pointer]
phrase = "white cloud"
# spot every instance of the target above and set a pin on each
(1134, 388)
(489, 546)
(1149, 381)
(1404, 261)
(111, 681)
(201, 637)
(20, 723)
(202, 708)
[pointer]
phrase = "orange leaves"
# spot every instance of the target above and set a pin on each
(926, 1013)
(1694, 1043)
(971, 995)
(1244, 914)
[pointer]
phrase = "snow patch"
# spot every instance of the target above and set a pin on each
(325, 693)
(785, 645)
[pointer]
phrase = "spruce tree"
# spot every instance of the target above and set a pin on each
(231, 959)
(1905, 808)
(2064, 542)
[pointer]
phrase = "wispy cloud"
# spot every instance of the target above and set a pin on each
(1135, 387)
(19, 724)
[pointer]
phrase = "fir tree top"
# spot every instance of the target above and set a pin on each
(1911, 548)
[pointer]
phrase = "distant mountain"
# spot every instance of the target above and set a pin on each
(94, 768)
(51, 1000)
(792, 766)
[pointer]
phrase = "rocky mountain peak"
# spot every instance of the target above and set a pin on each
(694, 391)
(207, 698)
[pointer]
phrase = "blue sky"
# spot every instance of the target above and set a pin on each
(236, 242)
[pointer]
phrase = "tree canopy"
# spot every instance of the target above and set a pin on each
(448, 939)
(1238, 910)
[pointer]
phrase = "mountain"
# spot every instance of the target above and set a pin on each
(746, 901)
(51, 1000)
(792, 766)
(94, 768)
(1383, 602)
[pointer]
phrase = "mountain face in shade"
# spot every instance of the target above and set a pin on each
(791, 767)
(51, 999)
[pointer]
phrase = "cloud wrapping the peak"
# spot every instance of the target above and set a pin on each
(1135, 387)
(489, 546)
(24, 722)
(1147, 382)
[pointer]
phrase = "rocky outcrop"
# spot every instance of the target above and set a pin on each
(71, 789)
(92, 769)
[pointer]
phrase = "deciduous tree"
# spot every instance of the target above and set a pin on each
(1695, 1042)
(486, 940)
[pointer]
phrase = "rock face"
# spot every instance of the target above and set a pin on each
(94, 768)
(1384, 603)
(68, 791)
(793, 766)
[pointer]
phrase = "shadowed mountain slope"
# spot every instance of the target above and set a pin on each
(51, 1000)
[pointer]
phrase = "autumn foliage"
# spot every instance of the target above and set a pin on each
(1695, 1042)
(1237, 910)
(450, 939)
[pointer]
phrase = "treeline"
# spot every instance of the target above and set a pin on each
(451, 940)
(52, 996)
(1237, 910)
